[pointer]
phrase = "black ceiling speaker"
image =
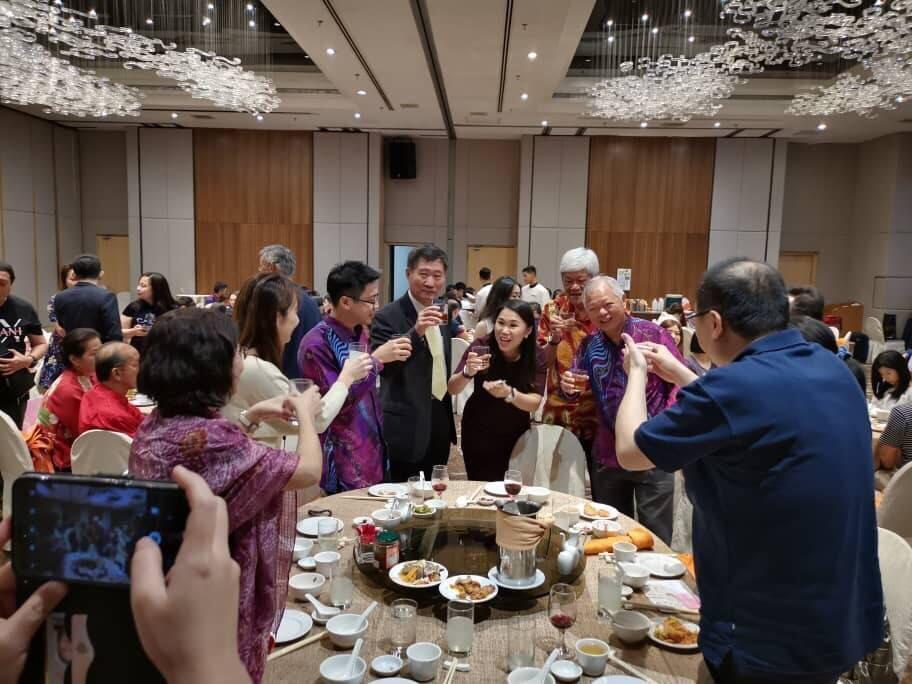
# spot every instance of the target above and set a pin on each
(402, 159)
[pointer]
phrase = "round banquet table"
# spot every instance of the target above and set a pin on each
(492, 621)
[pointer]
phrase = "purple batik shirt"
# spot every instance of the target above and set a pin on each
(354, 452)
(604, 362)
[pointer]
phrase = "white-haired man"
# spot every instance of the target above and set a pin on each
(280, 259)
(563, 326)
(649, 492)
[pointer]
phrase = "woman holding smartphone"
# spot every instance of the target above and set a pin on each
(153, 298)
(191, 367)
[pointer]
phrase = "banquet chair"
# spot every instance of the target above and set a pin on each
(895, 556)
(895, 511)
(15, 459)
(457, 349)
(101, 452)
(468, 319)
(551, 456)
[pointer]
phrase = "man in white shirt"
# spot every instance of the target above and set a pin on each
(534, 291)
(481, 294)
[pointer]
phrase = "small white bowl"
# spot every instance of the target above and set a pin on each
(335, 668)
(592, 665)
(302, 547)
(307, 563)
(566, 670)
(537, 495)
(605, 528)
(305, 583)
(386, 665)
(326, 562)
(424, 660)
(436, 504)
(342, 630)
(625, 552)
(630, 626)
(386, 519)
(525, 675)
(635, 575)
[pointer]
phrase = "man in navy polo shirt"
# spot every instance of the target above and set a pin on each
(774, 446)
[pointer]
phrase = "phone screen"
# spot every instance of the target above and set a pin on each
(83, 529)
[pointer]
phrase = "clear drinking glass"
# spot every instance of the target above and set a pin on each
(416, 494)
(301, 385)
(404, 613)
(356, 350)
(440, 476)
(341, 589)
(328, 534)
(483, 350)
(562, 614)
(513, 482)
(521, 639)
(460, 627)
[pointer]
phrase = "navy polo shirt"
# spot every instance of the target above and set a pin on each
(776, 453)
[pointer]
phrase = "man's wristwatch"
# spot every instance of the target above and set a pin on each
(248, 425)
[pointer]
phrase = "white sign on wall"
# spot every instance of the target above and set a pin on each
(623, 278)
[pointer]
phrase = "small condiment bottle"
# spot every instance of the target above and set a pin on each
(386, 550)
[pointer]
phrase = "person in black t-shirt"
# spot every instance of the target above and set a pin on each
(18, 323)
(153, 298)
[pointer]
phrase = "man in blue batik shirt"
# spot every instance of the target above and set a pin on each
(773, 447)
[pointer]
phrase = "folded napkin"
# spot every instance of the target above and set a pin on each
(517, 533)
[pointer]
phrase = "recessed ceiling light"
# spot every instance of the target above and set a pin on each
(544, 123)
(644, 124)
(900, 99)
(148, 21)
(250, 7)
(206, 21)
(251, 23)
(93, 14)
(532, 56)
(174, 115)
(691, 39)
(357, 115)
(362, 92)
(718, 124)
(821, 126)
(524, 96)
(609, 23)
(687, 13)
(610, 39)
(654, 31)
(330, 52)
(210, 7)
(276, 24)
(645, 17)
(259, 117)
(588, 60)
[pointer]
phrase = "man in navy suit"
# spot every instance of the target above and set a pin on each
(417, 410)
(86, 304)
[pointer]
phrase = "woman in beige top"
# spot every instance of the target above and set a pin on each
(267, 313)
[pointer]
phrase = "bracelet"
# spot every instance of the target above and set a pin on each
(466, 375)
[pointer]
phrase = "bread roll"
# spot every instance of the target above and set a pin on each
(642, 538)
(604, 545)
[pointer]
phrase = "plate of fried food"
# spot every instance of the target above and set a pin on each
(675, 634)
(596, 511)
(419, 574)
(471, 588)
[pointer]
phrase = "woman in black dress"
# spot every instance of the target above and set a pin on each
(153, 298)
(509, 382)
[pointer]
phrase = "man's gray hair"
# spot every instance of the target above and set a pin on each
(599, 282)
(281, 256)
(580, 258)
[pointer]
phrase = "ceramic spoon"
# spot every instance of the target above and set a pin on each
(325, 611)
(547, 668)
(353, 660)
(367, 611)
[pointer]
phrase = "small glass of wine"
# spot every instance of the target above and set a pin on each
(513, 483)
(562, 613)
(440, 476)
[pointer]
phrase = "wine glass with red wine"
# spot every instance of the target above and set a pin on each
(440, 476)
(513, 483)
(562, 613)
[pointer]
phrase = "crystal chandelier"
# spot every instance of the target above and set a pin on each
(888, 84)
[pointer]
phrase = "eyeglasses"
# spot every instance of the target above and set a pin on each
(369, 302)
(690, 315)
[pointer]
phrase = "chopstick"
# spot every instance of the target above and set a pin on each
(476, 492)
(629, 669)
(451, 673)
(663, 609)
(375, 499)
(295, 646)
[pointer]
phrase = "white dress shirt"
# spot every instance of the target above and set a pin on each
(537, 293)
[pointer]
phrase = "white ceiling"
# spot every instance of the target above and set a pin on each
(432, 66)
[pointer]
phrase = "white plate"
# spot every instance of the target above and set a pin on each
(396, 569)
(308, 526)
(307, 563)
(657, 562)
(612, 512)
(496, 489)
(398, 680)
(618, 679)
(294, 625)
(449, 593)
(690, 648)
(387, 490)
(142, 400)
(430, 514)
(536, 582)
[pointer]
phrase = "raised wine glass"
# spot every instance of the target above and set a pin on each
(562, 613)
(440, 476)
(513, 483)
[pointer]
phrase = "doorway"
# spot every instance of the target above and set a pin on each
(501, 261)
(114, 253)
(798, 268)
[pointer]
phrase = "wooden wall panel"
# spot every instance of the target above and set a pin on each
(253, 188)
(649, 209)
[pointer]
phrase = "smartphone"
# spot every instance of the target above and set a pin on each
(82, 530)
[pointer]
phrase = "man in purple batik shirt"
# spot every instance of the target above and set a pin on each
(351, 420)
(650, 493)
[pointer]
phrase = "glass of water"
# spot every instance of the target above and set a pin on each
(328, 534)
(521, 642)
(341, 589)
(460, 627)
(416, 493)
(356, 350)
(403, 626)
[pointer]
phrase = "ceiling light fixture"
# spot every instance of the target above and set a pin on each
(718, 124)
(206, 21)
(688, 13)
(357, 115)
(524, 96)
(609, 23)
(691, 39)
(149, 21)
(644, 124)
(645, 17)
(545, 124)
(610, 39)
(259, 117)
(821, 126)
(210, 7)
(532, 56)
(655, 31)
(250, 7)
(174, 115)
(362, 92)
(330, 52)
(93, 14)
(251, 23)
(900, 99)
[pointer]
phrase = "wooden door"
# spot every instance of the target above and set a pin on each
(501, 261)
(798, 268)
(114, 252)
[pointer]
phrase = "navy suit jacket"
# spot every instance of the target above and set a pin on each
(89, 306)
(308, 317)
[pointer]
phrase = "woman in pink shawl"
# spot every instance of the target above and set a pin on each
(190, 365)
